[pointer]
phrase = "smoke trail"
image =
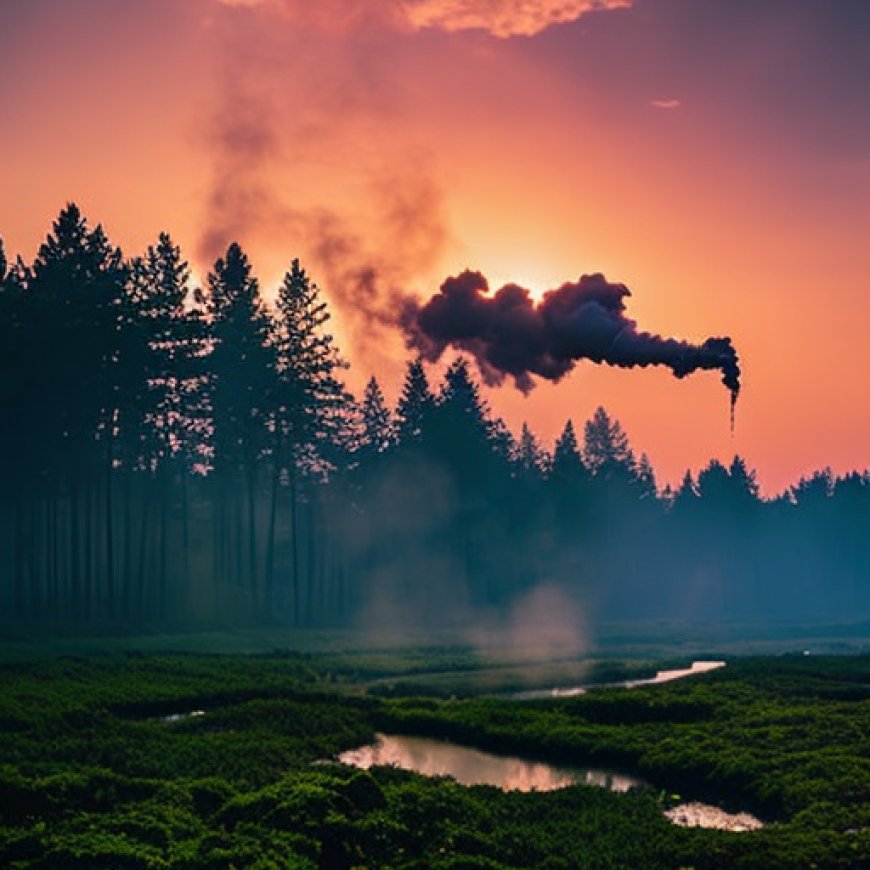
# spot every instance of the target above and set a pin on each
(509, 334)
(366, 277)
(300, 88)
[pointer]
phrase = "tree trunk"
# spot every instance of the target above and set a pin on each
(75, 590)
(163, 545)
(252, 541)
(110, 542)
(18, 583)
(269, 570)
(294, 549)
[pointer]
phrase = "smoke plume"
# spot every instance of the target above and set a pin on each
(509, 334)
(311, 156)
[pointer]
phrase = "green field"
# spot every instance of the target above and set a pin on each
(92, 775)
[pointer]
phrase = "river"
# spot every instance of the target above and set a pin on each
(474, 767)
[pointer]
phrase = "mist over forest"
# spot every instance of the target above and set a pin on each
(175, 456)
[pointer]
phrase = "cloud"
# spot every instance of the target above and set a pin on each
(502, 18)
(665, 104)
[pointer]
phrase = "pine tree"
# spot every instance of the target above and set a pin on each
(241, 386)
(377, 434)
(311, 397)
(687, 491)
(173, 343)
(164, 425)
(606, 451)
(743, 479)
(17, 433)
(530, 458)
(814, 490)
(646, 478)
(714, 484)
(75, 292)
(567, 463)
(311, 426)
(416, 402)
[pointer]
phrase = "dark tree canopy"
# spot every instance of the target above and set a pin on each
(172, 456)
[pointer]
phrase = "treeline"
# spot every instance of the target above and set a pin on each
(177, 455)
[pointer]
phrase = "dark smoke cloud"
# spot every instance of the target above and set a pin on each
(509, 334)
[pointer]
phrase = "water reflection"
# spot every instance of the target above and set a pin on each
(699, 667)
(473, 767)
(180, 717)
(698, 815)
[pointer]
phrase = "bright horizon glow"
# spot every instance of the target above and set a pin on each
(531, 158)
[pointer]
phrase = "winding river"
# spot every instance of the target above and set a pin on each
(474, 767)
(699, 667)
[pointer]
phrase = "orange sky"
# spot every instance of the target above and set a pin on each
(714, 157)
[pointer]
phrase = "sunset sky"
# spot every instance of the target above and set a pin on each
(713, 155)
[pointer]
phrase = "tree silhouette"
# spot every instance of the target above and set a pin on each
(377, 433)
(416, 403)
(310, 414)
(75, 289)
(242, 377)
(164, 422)
(166, 458)
(606, 451)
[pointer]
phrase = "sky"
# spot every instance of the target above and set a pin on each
(712, 155)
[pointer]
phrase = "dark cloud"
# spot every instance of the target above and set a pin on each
(509, 334)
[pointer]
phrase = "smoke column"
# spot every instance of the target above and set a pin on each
(509, 334)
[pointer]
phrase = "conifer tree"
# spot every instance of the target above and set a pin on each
(567, 463)
(241, 384)
(311, 396)
(646, 478)
(164, 423)
(606, 451)
(75, 291)
(530, 458)
(416, 402)
(310, 422)
(377, 433)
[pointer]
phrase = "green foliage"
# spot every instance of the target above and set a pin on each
(100, 778)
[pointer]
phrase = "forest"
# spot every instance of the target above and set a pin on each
(183, 456)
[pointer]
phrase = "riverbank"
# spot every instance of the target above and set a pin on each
(95, 771)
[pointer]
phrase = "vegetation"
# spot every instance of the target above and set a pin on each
(179, 456)
(94, 774)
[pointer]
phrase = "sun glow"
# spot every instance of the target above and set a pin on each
(535, 276)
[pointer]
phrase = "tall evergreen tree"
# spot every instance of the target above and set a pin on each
(241, 383)
(311, 396)
(606, 451)
(530, 458)
(646, 478)
(310, 422)
(416, 402)
(568, 479)
(567, 462)
(377, 433)
(75, 291)
(164, 425)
